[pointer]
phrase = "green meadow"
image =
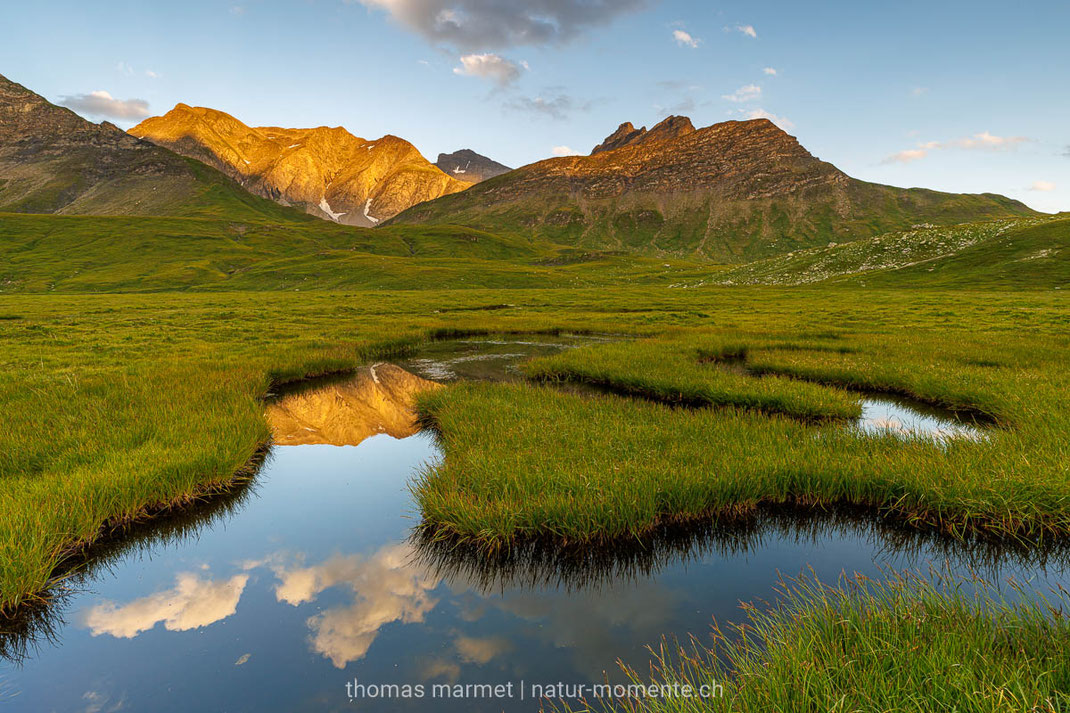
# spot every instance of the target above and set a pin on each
(135, 354)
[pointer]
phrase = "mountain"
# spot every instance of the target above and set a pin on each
(326, 172)
(467, 165)
(731, 192)
(54, 161)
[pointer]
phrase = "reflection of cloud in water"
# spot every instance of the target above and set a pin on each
(477, 650)
(387, 589)
(192, 603)
(97, 702)
(394, 586)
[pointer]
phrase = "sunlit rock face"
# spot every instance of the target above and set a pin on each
(378, 399)
(326, 171)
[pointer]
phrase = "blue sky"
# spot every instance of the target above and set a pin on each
(958, 96)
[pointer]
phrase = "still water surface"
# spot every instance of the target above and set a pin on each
(276, 598)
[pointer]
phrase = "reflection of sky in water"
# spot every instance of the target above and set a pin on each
(314, 582)
(891, 415)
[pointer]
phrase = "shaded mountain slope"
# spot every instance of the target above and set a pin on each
(730, 192)
(467, 165)
(54, 161)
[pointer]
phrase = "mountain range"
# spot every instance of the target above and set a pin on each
(327, 172)
(54, 161)
(730, 192)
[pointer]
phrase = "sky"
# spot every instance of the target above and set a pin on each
(956, 96)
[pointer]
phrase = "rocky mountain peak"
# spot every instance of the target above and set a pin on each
(467, 165)
(326, 171)
(670, 128)
(624, 135)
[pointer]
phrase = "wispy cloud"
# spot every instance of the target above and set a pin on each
(983, 141)
(129, 71)
(1043, 186)
(746, 93)
(100, 103)
(747, 30)
(490, 66)
(919, 91)
(564, 151)
(676, 85)
(556, 106)
(782, 121)
(685, 39)
(770, 71)
(478, 25)
(684, 106)
(1066, 151)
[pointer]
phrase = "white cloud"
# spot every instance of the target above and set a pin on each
(1042, 186)
(919, 91)
(770, 71)
(478, 25)
(746, 93)
(100, 103)
(191, 604)
(490, 66)
(684, 39)
(984, 141)
(151, 75)
(782, 121)
(747, 30)
(564, 151)
(907, 156)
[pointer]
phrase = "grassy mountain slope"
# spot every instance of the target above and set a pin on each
(46, 253)
(54, 161)
(327, 172)
(1021, 253)
(731, 192)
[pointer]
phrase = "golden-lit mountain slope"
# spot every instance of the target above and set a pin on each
(326, 171)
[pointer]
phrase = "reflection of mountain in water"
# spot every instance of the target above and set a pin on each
(378, 399)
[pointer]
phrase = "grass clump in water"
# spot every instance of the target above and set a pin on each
(526, 461)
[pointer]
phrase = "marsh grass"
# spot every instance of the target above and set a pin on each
(524, 461)
(901, 643)
(112, 405)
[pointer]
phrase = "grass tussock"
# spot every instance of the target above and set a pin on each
(905, 643)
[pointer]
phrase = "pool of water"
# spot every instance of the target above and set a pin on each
(277, 596)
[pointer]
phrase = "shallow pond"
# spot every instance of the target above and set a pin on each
(276, 597)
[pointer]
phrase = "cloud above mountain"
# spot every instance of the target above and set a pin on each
(493, 67)
(556, 105)
(101, 103)
(983, 141)
(480, 25)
